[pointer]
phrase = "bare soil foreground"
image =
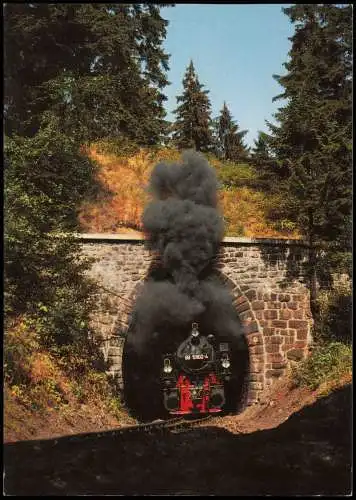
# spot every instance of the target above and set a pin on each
(295, 444)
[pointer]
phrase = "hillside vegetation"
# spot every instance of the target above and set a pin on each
(124, 176)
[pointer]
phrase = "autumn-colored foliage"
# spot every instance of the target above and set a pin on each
(125, 178)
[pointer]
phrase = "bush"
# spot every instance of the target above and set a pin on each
(331, 359)
(232, 175)
(45, 179)
(119, 146)
(327, 363)
(335, 312)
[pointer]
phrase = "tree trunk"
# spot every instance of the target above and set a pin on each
(312, 270)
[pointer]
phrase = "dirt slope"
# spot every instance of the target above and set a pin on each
(296, 443)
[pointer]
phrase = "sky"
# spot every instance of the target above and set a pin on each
(236, 48)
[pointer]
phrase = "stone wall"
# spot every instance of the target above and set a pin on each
(265, 277)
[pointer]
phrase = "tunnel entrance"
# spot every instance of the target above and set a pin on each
(143, 357)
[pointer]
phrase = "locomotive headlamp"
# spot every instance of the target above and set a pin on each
(225, 362)
(167, 367)
(195, 331)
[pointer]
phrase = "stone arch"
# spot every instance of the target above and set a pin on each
(253, 334)
(251, 328)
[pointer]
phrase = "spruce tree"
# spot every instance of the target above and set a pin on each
(192, 128)
(265, 164)
(313, 138)
(229, 139)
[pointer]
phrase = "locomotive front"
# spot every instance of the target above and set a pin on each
(193, 376)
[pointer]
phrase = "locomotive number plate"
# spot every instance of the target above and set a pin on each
(188, 357)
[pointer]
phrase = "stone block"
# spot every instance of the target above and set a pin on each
(279, 365)
(276, 339)
(284, 314)
(251, 328)
(254, 339)
(295, 354)
(258, 304)
(297, 298)
(274, 373)
(241, 300)
(275, 357)
(267, 330)
(300, 344)
(302, 334)
(257, 358)
(297, 324)
(254, 377)
(256, 349)
(252, 397)
(256, 386)
(284, 297)
(273, 305)
(287, 347)
(256, 368)
(272, 348)
(277, 323)
(299, 314)
(259, 314)
(243, 306)
(246, 315)
(270, 314)
(293, 305)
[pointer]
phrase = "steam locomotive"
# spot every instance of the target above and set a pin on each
(193, 377)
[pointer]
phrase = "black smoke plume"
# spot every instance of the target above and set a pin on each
(185, 228)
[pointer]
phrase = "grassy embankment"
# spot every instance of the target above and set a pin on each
(125, 175)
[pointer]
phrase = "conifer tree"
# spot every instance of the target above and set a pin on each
(265, 164)
(313, 138)
(192, 128)
(229, 140)
(100, 66)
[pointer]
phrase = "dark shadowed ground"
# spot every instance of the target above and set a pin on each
(310, 453)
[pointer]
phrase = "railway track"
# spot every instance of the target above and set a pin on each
(178, 424)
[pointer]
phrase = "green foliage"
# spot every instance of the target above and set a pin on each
(313, 139)
(327, 363)
(271, 173)
(99, 67)
(45, 178)
(192, 126)
(229, 143)
(279, 209)
(20, 343)
(334, 320)
(120, 147)
(232, 175)
(331, 359)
